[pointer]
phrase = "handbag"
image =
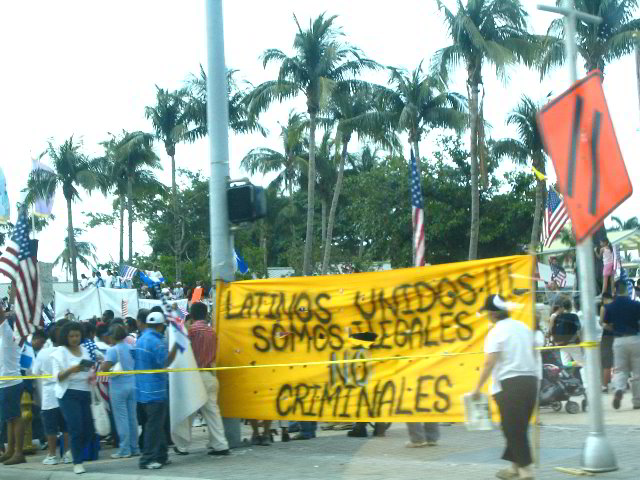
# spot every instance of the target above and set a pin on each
(100, 416)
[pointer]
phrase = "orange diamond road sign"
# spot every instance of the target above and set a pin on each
(578, 135)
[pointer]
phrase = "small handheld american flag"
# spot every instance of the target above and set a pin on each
(124, 308)
(19, 263)
(554, 218)
(558, 276)
(417, 213)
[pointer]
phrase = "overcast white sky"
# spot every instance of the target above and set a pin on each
(87, 68)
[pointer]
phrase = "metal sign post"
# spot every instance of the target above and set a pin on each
(218, 129)
(597, 454)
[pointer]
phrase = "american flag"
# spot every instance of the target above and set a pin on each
(127, 272)
(555, 216)
(559, 276)
(124, 308)
(417, 213)
(19, 263)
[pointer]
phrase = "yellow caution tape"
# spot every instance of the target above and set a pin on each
(574, 471)
(297, 364)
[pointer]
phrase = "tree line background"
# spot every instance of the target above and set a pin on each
(341, 191)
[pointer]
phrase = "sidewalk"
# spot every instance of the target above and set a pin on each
(460, 455)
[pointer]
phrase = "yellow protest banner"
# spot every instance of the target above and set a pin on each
(428, 311)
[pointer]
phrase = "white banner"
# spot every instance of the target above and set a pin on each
(182, 406)
(149, 304)
(113, 298)
(94, 301)
(84, 305)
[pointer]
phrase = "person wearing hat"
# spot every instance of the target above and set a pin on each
(152, 353)
(511, 361)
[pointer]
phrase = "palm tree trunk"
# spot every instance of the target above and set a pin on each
(323, 220)
(263, 245)
(537, 214)
(130, 215)
(176, 223)
(475, 194)
(121, 200)
(72, 246)
(334, 208)
(416, 151)
(307, 263)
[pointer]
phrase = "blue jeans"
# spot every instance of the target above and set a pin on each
(308, 429)
(76, 410)
(123, 401)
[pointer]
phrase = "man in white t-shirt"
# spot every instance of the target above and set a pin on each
(510, 359)
(10, 393)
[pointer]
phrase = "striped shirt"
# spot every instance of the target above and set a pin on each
(203, 343)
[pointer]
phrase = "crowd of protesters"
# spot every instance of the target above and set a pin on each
(74, 352)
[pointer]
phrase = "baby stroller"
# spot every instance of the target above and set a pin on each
(558, 385)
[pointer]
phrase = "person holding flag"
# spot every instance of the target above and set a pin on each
(152, 353)
(10, 393)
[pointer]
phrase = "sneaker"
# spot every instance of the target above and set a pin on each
(411, 444)
(506, 474)
(67, 458)
(431, 443)
(119, 455)
(179, 451)
(617, 398)
(78, 469)
(152, 466)
(358, 433)
(219, 452)
(50, 460)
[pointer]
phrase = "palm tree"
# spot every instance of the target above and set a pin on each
(483, 31)
(419, 102)
(326, 177)
(638, 67)
(352, 108)
(170, 119)
(289, 163)
(136, 155)
(527, 147)
(630, 224)
(71, 169)
(320, 62)
(597, 44)
(239, 119)
(85, 253)
(125, 169)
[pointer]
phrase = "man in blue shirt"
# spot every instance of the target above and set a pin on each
(152, 353)
(622, 317)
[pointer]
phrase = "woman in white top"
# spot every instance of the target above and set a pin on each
(511, 361)
(71, 366)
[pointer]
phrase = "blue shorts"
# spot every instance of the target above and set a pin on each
(53, 421)
(10, 402)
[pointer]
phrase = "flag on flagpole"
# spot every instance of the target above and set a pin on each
(554, 218)
(417, 214)
(127, 272)
(5, 209)
(42, 206)
(19, 262)
(241, 265)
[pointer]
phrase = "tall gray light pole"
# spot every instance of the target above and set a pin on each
(218, 126)
(597, 454)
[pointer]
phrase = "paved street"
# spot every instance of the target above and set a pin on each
(459, 455)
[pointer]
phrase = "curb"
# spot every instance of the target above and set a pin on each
(27, 474)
